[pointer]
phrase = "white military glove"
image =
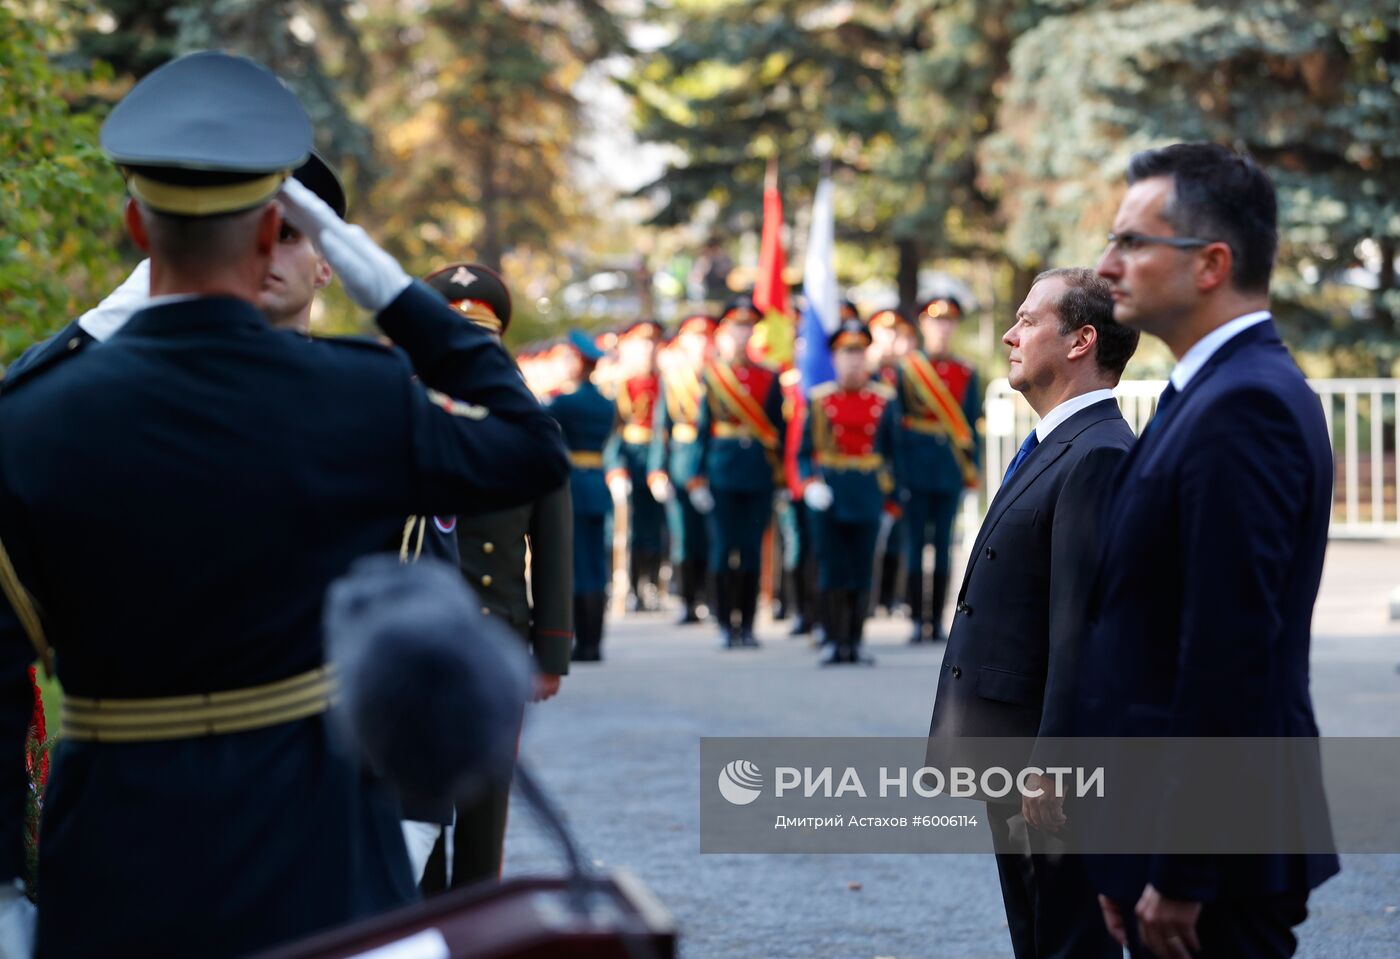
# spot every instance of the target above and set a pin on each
(702, 499)
(818, 496)
(17, 918)
(660, 488)
(116, 307)
(372, 278)
(620, 487)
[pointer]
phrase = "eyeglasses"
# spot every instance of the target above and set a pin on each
(1132, 242)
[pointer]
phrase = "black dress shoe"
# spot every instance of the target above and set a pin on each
(802, 627)
(917, 637)
(687, 617)
(839, 655)
(747, 639)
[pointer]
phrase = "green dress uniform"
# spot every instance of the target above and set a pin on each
(519, 562)
(848, 443)
(939, 456)
(675, 455)
(740, 432)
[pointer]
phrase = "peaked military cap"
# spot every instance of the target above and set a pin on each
(649, 329)
(740, 310)
(697, 323)
(851, 333)
(585, 345)
(431, 690)
(318, 176)
(477, 291)
(941, 306)
(207, 134)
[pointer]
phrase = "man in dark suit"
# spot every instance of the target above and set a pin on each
(1201, 609)
(1012, 653)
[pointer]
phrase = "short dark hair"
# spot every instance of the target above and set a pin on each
(1218, 195)
(1088, 301)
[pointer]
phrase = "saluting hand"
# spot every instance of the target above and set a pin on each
(372, 278)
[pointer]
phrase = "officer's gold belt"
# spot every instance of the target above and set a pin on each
(864, 462)
(730, 431)
(586, 459)
(636, 433)
(204, 714)
(684, 433)
(933, 427)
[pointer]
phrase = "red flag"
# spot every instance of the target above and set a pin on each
(770, 293)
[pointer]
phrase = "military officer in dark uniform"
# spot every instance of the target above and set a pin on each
(586, 417)
(847, 480)
(175, 502)
(491, 549)
(674, 458)
(626, 461)
(892, 335)
(740, 430)
(940, 404)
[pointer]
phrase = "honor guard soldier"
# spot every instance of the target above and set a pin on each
(846, 466)
(893, 337)
(674, 459)
(196, 770)
(939, 454)
(740, 436)
(492, 551)
(586, 417)
(626, 460)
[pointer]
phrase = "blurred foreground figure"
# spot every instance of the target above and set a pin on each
(1200, 618)
(175, 503)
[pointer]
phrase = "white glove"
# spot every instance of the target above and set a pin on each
(17, 918)
(620, 487)
(818, 496)
(660, 488)
(702, 499)
(116, 308)
(372, 278)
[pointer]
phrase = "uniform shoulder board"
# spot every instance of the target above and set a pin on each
(47, 354)
(882, 390)
(822, 390)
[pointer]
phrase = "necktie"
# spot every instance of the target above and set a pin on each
(1163, 401)
(1028, 444)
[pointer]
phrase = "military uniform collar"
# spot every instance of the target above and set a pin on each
(176, 315)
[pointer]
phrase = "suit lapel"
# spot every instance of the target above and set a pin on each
(1040, 460)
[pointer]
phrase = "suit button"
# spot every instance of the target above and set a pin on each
(991, 553)
(486, 610)
(75, 342)
(957, 673)
(963, 608)
(488, 547)
(486, 580)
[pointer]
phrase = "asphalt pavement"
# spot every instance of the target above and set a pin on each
(619, 751)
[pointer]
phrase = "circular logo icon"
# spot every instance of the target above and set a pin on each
(740, 782)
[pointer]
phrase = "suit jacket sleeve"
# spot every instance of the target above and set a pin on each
(551, 535)
(479, 440)
(1243, 484)
(702, 438)
(1074, 548)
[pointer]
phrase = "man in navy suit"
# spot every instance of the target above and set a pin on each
(1011, 657)
(1202, 606)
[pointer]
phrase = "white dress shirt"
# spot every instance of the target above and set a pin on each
(1068, 408)
(1207, 346)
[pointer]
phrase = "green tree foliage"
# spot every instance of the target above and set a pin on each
(741, 82)
(1312, 90)
(59, 200)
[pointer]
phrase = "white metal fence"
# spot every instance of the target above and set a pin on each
(1362, 421)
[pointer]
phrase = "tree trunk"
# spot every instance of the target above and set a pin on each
(910, 255)
(1384, 318)
(489, 245)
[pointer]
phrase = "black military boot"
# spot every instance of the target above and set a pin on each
(838, 625)
(860, 607)
(748, 606)
(598, 607)
(914, 592)
(725, 587)
(940, 599)
(689, 572)
(802, 602)
(889, 578)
